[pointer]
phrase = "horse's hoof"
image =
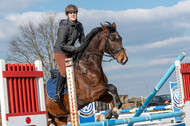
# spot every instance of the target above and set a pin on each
(101, 117)
(116, 112)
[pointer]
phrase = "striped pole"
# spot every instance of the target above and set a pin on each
(179, 81)
(71, 92)
(146, 109)
(158, 86)
(133, 120)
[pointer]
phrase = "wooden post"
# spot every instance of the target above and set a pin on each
(71, 92)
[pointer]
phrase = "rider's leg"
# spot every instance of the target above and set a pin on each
(60, 84)
(60, 60)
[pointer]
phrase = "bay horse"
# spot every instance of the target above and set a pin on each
(90, 79)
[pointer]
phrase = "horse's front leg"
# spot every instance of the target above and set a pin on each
(116, 100)
(112, 97)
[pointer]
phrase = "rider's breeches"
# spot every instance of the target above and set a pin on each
(60, 60)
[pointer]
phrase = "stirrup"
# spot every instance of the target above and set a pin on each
(56, 98)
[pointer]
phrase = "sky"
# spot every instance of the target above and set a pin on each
(154, 33)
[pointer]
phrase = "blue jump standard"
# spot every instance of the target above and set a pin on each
(133, 120)
(158, 86)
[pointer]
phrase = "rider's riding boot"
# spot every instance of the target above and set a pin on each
(60, 84)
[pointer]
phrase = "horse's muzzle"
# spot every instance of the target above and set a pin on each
(124, 60)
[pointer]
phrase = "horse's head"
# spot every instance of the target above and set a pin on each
(113, 43)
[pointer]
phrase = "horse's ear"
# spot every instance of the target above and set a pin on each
(114, 25)
(104, 27)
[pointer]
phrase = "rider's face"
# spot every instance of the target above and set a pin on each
(72, 16)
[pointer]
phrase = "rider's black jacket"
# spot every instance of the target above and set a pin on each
(67, 35)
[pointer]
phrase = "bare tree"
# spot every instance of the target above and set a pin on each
(35, 42)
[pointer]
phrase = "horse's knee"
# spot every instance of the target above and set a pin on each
(112, 88)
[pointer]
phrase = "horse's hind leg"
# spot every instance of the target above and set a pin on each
(107, 98)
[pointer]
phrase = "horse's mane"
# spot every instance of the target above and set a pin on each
(90, 36)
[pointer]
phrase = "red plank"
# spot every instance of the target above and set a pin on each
(11, 90)
(36, 96)
(22, 73)
(20, 91)
(185, 70)
(15, 91)
(32, 90)
(28, 91)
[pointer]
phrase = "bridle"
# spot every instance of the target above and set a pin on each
(111, 51)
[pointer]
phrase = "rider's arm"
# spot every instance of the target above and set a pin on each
(82, 36)
(61, 39)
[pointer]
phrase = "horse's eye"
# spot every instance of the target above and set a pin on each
(114, 37)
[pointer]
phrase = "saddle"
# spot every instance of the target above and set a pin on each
(51, 87)
(54, 73)
(51, 84)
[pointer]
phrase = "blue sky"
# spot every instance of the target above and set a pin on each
(154, 33)
(59, 5)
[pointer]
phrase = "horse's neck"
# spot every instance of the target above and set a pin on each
(96, 45)
(95, 49)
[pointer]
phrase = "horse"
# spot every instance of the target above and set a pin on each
(90, 79)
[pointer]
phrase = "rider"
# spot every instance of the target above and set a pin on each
(69, 31)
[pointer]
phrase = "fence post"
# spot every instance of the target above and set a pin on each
(4, 96)
(72, 92)
(40, 86)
